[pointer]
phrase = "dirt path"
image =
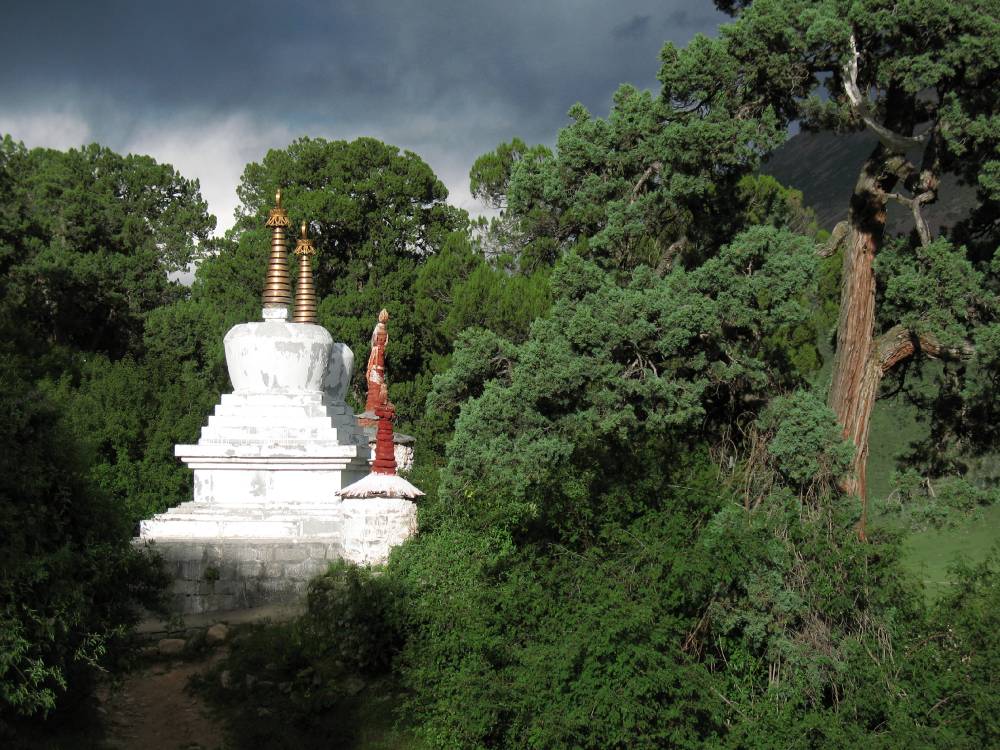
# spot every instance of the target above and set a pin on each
(152, 710)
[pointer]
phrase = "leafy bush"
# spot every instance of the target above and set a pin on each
(804, 441)
(71, 584)
(920, 502)
(318, 671)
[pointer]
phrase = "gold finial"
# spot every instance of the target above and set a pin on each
(277, 284)
(305, 292)
(278, 216)
(383, 317)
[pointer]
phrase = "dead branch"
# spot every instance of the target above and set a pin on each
(915, 204)
(651, 170)
(862, 107)
(833, 244)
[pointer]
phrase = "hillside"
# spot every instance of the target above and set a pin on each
(825, 166)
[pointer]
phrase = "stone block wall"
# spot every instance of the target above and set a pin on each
(218, 576)
(223, 574)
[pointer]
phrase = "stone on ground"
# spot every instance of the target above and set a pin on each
(170, 646)
(217, 634)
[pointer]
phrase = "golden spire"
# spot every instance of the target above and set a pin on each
(305, 293)
(277, 286)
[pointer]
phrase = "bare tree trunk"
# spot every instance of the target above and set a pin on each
(862, 360)
(856, 372)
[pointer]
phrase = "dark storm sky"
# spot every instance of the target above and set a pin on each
(210, 86)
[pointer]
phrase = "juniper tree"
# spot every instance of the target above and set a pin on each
(917, 75)
(658, 181)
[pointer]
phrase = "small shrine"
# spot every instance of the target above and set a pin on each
(378, 509)
(273, 463)
(378, 396)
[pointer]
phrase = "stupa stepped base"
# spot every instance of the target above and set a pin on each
(247, 518)
(246, 481)
(296, 422)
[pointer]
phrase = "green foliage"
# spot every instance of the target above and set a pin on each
(767, 201)
(525, 646)
(656, 178)
(585, 579)
(919, 502)
(71, 582)
(489, 178)
(933, 291)
(804, 440)
(608, 360)
(952, 668)
(86, 239)
(350, 620)
(764, 286)
(315, 674)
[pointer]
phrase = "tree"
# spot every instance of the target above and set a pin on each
(916, 75)
(663, 179)
(71, 583)
(653, 183)
(590, 574)
(88, 237)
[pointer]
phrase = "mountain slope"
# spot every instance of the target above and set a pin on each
(825, 167)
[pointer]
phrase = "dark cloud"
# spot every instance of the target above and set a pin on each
(634, 28)
(446, 78)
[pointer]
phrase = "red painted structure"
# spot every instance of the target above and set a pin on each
(385, 454)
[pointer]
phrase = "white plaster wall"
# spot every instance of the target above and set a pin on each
(277, 356)
(231, 487)
(340, 370)
(373, 526)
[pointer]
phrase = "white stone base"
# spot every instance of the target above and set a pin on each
(374, 525)
(231, 561)
(268, 466)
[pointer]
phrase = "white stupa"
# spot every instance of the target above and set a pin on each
(266, 514)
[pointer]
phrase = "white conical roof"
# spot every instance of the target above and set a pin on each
(380, 485)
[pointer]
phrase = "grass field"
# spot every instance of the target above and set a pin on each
(930, 554)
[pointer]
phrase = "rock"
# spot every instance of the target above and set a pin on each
(170, 646)
(250, 681)
(226, 679)
(149, 652)
(216, 634)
